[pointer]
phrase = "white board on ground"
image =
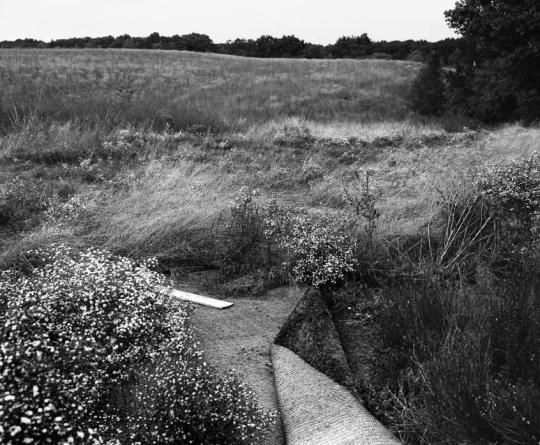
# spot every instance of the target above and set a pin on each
(199, 299)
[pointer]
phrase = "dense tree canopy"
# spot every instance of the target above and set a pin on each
(354, 47)
(498, 71)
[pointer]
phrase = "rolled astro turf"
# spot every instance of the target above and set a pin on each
(315, 406)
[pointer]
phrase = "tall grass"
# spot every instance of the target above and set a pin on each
(114, 87)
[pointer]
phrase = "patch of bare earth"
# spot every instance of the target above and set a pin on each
(240, 337)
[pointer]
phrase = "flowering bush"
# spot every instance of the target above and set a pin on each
(82, 338)
(516, 188)
(319, 254)
(313, 246)
(175, 403)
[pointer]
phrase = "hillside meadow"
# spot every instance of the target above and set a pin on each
(155, 145)
(222, 93)
(180, 156)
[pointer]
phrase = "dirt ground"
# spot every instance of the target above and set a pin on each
(240, 337)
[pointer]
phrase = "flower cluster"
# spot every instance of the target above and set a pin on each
(70, 332)
(182, 401)
(88, 333)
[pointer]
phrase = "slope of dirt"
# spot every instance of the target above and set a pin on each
(240, 337)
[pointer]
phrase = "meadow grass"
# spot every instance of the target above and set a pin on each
(185, 89)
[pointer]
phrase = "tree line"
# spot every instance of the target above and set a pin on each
(290, 46)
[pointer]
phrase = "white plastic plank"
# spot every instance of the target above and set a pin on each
(199, 299)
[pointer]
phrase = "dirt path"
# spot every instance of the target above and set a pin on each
(239, 338)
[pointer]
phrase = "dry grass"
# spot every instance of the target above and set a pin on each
(184, 89)
(166, 201)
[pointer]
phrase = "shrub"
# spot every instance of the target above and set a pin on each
(71, 333)
(515, 188)
(313, 248)
(459, 359)
(59, 211)
(242, 238)
(20, 203)
(174, 403)
(319, 254)
(84, 335)
(311, 171)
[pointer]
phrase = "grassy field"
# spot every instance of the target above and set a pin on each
(185, 89)
(200, 127)
(144, 152)
(59, 107)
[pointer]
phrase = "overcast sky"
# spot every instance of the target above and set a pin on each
(317, 21)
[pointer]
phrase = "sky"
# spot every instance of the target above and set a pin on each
(315, 21)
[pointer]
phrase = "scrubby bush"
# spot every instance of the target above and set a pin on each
(93, 349)
(311, 171)
(459, 358)
(21, 202)
(363, 202)
(241, 237)
(465, 362)
(71, 333)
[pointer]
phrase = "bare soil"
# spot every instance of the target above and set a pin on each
(240, 337)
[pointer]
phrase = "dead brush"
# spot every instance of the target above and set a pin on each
(463, 233)
(363, 201)
(470, 235)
